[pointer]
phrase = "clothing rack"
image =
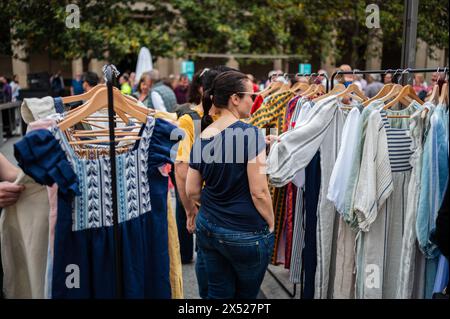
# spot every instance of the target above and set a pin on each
(294, 291)
(111, 73)
(401, 72)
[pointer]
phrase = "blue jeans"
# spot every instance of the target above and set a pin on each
(200, 272)
(235, 261)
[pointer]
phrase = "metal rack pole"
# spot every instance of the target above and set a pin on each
(441, 69)
(111, 72)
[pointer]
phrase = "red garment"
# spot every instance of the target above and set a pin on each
(257, 104)
(255, 88)
(291, 195)
(290, 111)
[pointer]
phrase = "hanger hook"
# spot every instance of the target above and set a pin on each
(403, 72)
(395, 73)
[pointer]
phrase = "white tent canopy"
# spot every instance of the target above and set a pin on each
(144, 63)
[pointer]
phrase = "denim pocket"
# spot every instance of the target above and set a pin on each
(242, 253)
(269, 240)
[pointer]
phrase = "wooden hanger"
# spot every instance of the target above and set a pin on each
(86, 96)
(99, 101)
(311, 88)
(434, 98)
(407, 91)
(354, 90)
(383, 92)
(299, 86)
(443, 98)
(273, 86)
(285, 87)
(339, 87)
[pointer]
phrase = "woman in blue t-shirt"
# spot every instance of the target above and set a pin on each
(234, 226)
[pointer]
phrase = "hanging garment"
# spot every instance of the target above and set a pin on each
(304, 256)
(291, 189)
(292, 153)
(433, 183)
(311, 200)
(28, 233)
(176, 275)
(84, 247)
(344, 281)
(408, 268)
(342, 169)
(381, 201)
(271, 114)
(256, 104)
(24, 238)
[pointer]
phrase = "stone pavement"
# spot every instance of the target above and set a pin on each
(270, 289)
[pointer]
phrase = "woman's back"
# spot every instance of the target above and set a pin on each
(222, 161)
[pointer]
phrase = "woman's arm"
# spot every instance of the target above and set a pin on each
(8, 172)
(259, 188)
(193, 184)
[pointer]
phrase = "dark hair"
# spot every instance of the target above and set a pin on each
(91, 78)
(194, 95)
(141, 80)
(207, 81)
(224, 85)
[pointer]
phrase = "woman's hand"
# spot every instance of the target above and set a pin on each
(9, 193)
(270, 139)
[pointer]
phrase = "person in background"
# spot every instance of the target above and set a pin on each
(89, 80)
(57, 84)
(320, 79)
(6, 92)
(374, 85)
(77, 85)
(191, 125)
(234, 226)
(124, 82)
(436, 79)
(181, 90)
(359, 80)
(15, 88)
(346, 79)
(162, 97)
(272, 76)
(143, 90)
(132, 82)
(420, 86)
(255, 86)
(388, 78)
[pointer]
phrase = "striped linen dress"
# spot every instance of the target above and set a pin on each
(380, 203)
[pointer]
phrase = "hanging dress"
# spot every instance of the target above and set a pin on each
(83, 261)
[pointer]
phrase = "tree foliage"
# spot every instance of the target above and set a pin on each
(307, 28)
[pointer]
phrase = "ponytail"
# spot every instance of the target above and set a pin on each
(207, 104)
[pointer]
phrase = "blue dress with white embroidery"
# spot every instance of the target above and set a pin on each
(83, 263)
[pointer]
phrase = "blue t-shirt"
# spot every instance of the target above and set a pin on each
(222, 161)
(77, 87)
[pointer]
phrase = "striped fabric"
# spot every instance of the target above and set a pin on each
(379, 249)
(399, 146)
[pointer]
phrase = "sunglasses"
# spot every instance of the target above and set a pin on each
(252, 94)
